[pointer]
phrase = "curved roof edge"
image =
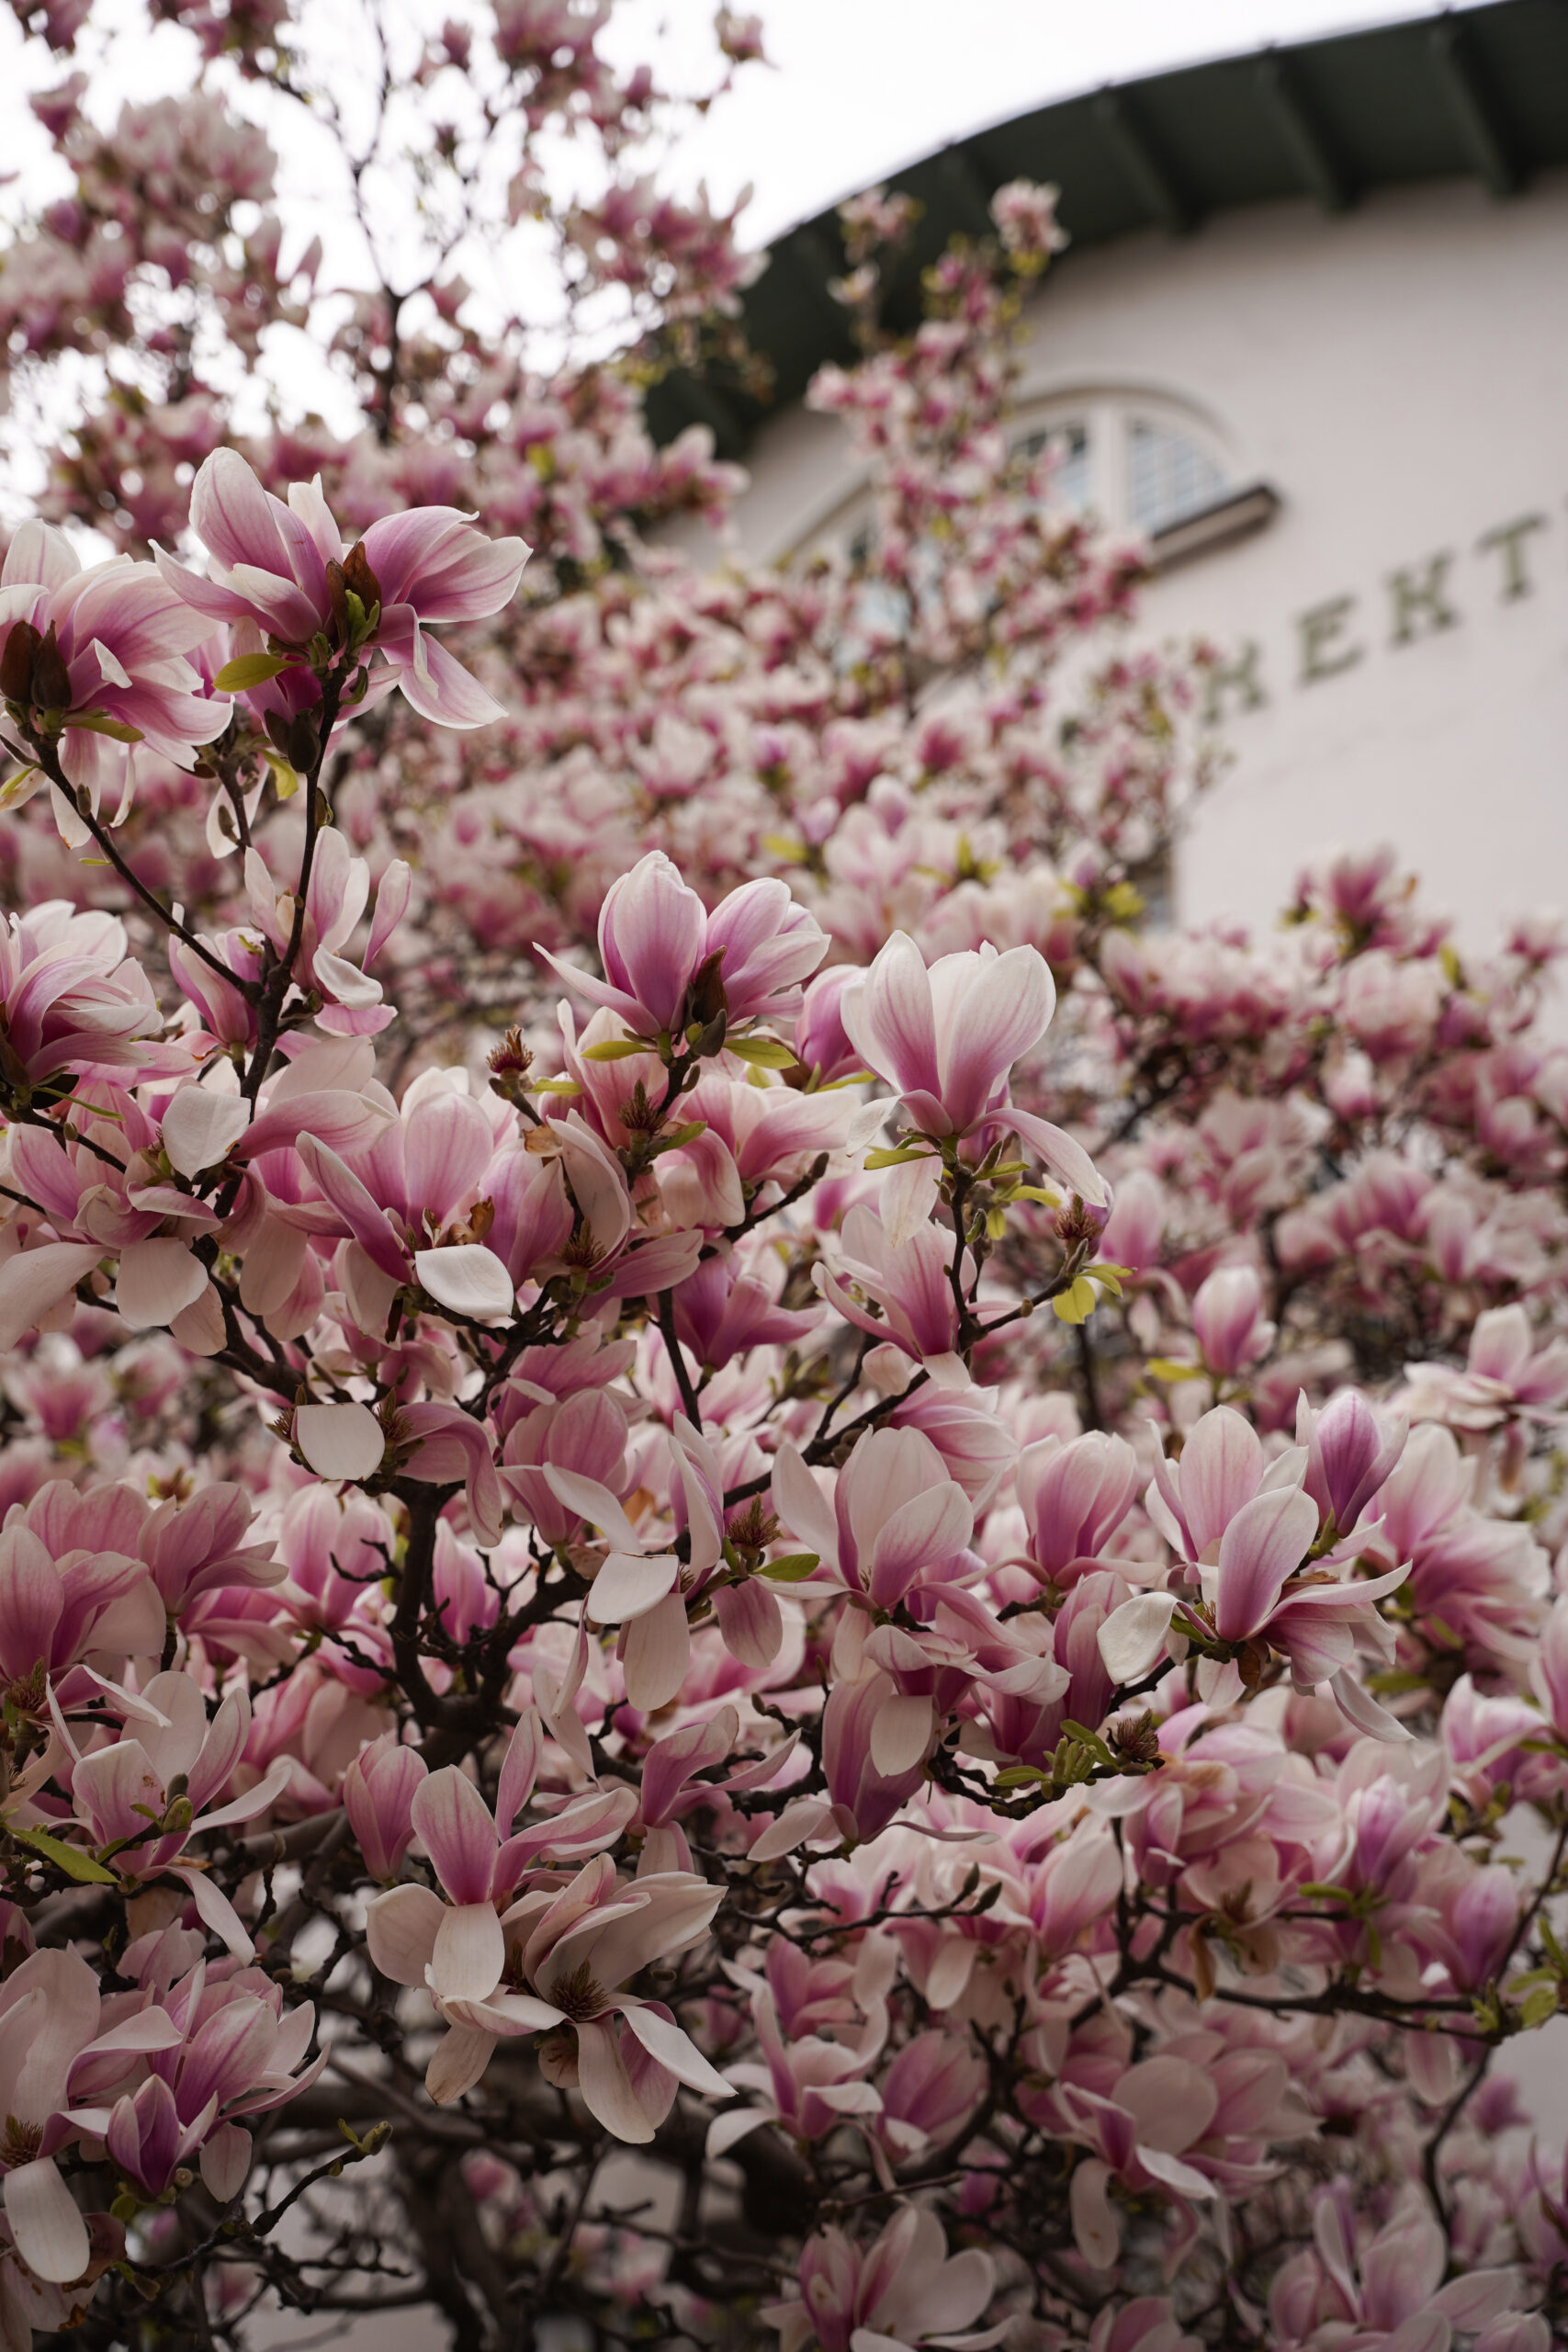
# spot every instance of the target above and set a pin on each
(1479, 92)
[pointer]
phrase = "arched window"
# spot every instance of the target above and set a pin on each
(1170, 475)
(1137, 462)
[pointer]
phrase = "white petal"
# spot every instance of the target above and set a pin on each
(201, 1126)
(35, 1281)
(658, 1652)
(343, 981)
(218, 1913)
(225, 2161)
(466, 1279)
(1359, 1707)
(469, 1954)
(799, 1821)
(1132, 1637)
(461, 2057)
(900, 1733)
(605, 2084)
(676, 2051)
(726, 2128)
(400, 1928)
(51, 2237)
(627, 1586)
(1186, 2179)
(594, 1503)
(156, 1280)
(339, 1440)
(198, 1328)
(909, 1198)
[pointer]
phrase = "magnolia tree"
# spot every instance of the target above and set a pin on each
(698, 1457)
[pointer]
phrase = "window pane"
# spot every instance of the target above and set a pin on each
(1170, 477)
(1071, 484)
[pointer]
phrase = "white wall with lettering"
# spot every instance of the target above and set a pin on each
(1398, 374)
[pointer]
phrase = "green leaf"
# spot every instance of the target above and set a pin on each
(616, 1049)
(1081, 1737)
(896, 1156)
(763, 1053)
(250, 669)
(792, 1566)
(1077, 1305)
(1164, 1368)
(69, 1859)
(98, 722)
(1537, 2005)
(285, 779)
(678, 1136)
(558, 1085)
(1018, 1776)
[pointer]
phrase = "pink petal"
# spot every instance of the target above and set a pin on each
(457, 1832)
(1265, 1543)
(888, 1018)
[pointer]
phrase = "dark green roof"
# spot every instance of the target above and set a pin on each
(1479, 91)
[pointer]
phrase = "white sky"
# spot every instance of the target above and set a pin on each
(858, 87)
(854, 89)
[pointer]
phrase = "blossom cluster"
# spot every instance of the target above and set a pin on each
(699, 1453)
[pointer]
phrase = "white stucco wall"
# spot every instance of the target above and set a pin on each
(1399, 375)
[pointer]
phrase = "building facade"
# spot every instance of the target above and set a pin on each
(1310, 340)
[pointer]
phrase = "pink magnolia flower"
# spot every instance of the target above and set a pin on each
(1073, 1497)
(575, 1946)
(1349, 1457)
(400, 1194)
(933, 2086)
(947, 1038)
(895, 1521)
(270, 568)
(75, 999)
(808, 2083)
(50, 2016)
(101, 657)
(904, 2290)
(378, 1790)
(584, 1434)
(121, 1792)
(655, 936)
(1229, 1321)
(1505, 1374)
(910, 1279)
(1250, 1532)
(722, 1312)
(1389, 2290)
(67, 1592)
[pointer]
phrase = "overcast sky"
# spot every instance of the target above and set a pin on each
(859, 86)
(854, 89)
